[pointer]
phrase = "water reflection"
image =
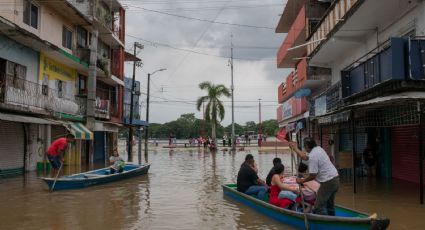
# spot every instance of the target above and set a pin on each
(181, 191)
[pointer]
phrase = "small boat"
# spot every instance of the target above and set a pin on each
(99, 176)
(345, 219)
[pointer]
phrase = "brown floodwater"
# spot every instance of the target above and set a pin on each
(181, 191)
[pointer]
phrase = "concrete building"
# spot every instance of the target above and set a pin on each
(45, 57)
(375, 53)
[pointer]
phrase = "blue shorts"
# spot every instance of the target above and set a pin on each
(54, 161)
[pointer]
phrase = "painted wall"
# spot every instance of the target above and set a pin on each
(22, 55)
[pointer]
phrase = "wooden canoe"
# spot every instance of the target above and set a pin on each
(345, 219)
(99, 176)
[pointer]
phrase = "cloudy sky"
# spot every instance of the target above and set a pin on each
(194, 51)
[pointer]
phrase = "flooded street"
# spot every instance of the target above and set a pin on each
(181, 191)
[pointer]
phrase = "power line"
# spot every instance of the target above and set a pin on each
(202, 20)
(155, 44)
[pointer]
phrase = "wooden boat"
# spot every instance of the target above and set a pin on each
(345, 219)
(99, 176)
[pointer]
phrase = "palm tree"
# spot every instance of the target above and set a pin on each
(214, 108)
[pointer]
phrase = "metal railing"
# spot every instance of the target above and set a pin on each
(31, 95)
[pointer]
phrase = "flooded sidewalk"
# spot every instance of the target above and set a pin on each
(181, 191)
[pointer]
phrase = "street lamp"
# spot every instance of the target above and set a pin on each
(130, 131)
(147, 108)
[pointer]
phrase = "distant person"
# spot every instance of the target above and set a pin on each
(260, 139)
(56, 152)
(117, 162)
(321, 169)
(246, 138)
(224, 140)
(369, 157)
(229, 141)
(248, 181)
(276, 161)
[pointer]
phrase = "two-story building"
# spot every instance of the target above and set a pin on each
(44, 66)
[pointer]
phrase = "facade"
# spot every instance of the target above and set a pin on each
(375, 53)
(44, 70)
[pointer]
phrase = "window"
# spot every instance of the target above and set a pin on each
(60, 88)
(15, 75)
(30, 14)
(81, 37)
(82, 85)
(66, 38)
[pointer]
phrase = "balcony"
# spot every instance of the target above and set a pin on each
(298, 20)
(102, 108)
(390, 64)
(296, 36)
(316, 79)
(28, 96)
(108, 19)
(348, 26)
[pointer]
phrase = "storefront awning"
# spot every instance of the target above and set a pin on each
(80, 131)
(25, 119)
(391, 99)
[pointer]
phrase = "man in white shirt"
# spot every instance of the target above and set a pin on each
(322, 170)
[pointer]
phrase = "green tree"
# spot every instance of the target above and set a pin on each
(270, 127)
(214, 108)
(251, 126)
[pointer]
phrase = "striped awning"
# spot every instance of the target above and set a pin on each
(80, 131)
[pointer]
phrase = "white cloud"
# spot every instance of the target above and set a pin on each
(253, 79)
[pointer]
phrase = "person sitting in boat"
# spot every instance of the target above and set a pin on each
(117, 162)
(248, 181)
(276, 161)
(281, 194)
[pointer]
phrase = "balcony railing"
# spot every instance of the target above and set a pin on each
(33, 96)
(335, 14)
(388, 64)
(102, 108)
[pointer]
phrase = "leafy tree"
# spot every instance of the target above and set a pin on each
(251, 126)
(270, 127)
(214, 111)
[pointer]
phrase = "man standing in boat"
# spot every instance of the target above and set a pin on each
(322, 170)
(56, 151)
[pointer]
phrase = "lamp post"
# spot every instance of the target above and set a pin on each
(130, 131)
(147, 108)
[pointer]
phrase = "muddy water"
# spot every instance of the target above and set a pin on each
(181, 191)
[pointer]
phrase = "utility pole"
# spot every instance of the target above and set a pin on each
(130, 128)
(232, 89)
(260, 131)
(147, 109)
(147, 114)
(133, 86)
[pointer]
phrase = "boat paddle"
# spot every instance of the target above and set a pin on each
(56, 178)
(302, 198)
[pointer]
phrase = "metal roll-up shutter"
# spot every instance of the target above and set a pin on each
(405, 153)
(11, 148)
(58, 131)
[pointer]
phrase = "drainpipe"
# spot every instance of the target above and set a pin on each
(353, 132)
(421, 155)
(91, 90)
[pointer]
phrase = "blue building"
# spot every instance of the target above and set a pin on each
(136, 104)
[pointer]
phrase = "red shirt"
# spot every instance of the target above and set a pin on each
(58, 144)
